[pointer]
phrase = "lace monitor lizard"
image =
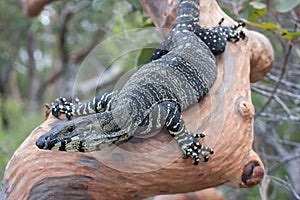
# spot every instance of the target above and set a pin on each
(180, 73)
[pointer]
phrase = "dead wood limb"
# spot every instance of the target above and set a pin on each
(152, 166)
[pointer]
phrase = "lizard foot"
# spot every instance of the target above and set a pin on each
(194, 149)
(217, 37)
(231, 32)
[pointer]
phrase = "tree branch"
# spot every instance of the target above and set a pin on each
(33, 7)
(283, 69)
(145, 167)
(65, 82)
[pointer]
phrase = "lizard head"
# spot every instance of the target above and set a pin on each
(65, 135)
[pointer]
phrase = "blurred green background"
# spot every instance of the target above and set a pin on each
(38, 55)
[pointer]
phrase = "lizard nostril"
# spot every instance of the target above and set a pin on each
(40, 144)
(43, 142)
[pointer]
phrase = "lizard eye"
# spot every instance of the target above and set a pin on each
(71, 128)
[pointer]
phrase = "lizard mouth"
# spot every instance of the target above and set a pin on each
(68, 144)
(64, 144)
(56, 144)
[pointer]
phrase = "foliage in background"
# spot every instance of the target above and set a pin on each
(40, 56)
(276, 98)
(22, 126)
(39, 53)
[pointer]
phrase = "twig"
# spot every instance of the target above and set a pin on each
(267, 91)
(283, 82)
(281, 160)
(280, 78)
(288, 142)
(273, 117)
(285, 184)
(79, 56)
(122, 23)
(66, 15)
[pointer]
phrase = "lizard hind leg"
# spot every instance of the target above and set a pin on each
(187, 141)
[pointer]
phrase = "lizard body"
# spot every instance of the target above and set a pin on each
(181, 72)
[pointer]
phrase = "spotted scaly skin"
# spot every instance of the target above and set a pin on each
(181, 72)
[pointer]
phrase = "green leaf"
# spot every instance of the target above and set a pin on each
(290, 35)
(145, 54)
(278, 30)
(264, 80)
(286, 5)
(257, 10)
(97, 5)
(257, 5)
(147, 22)
(268, 26)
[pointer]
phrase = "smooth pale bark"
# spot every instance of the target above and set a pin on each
(153, 166)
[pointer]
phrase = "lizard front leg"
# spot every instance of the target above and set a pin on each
(215, 38)
(97, 104)
(187, 141)
(163, 49)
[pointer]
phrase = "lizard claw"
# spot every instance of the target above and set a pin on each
(194, 149)
(199, 135)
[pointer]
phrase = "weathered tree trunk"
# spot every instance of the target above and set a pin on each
(6, 70)
(152, 166)
(33, 76)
